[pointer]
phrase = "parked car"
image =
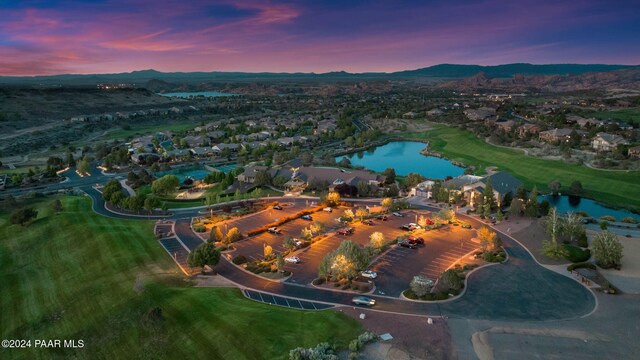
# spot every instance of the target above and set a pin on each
(416, 240)
(292, 259)
(407, 244)
(363, 300)
(274, 230)
(368, 222)
(298, 242)
(327, 209)
(307, 217)
(410, 226)
(429, 221)
(395, 213)
(382, 217)
(277, 207)
(466, 226)
(346, 231)
(369, 274)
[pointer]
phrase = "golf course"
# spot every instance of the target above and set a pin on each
(617, 188)
(78, 275)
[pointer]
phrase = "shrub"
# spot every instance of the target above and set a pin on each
(608, 218)
(607, 250)
(576, 254)
(199, 228)
(323, 351)
(582, 240)
(581, 265)
(240, 259)
(23, 216)
(318, 281)
(629, 220)
(451, 280)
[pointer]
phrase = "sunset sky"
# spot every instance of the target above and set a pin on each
(105, 36)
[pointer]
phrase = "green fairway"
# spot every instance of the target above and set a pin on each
(631, 115)
(139, 130)
(613, 187)
(78, 275)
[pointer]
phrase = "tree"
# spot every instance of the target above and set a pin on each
(349, 141)
(551, 248)
(446, 214)
(279, 262)
(421, 285)
(413, 179)
(555, 186)
(376, 241)
(23, 216)
(348, 215)
(576, 188)
(532, 208)
(489, 198)
(262, 178)
(361, 212)
(233, 235)
(521, 193)
(112, 192)
(289, 243)
(387, 203)
(306, 158)
(70, 160)
(390, 175)
(607, 250)
(333, 198)
(83, 165)
(489, 240)
(392, 190)
(56, 205)
(215, 235)
(165, 185)
(205, 254)
(499, 215)
(150, 203)
(267, 251)
(324, 269)
(515, 209)
(363, 188)
(451, 280)
(572, 227)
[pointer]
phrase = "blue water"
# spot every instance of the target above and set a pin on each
(195, 173)
(405, 158)
(196, 93)
(566, 203)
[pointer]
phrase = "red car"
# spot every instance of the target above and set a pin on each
(346, 231)
(429, 222)
(416, 240)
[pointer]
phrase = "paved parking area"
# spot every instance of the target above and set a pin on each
(285, 301)
(442, 248)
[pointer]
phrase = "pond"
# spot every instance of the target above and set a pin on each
(564, 204)
(194, 172)
(187, 94)
(405, 158)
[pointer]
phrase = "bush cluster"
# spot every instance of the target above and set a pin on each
(576, 254)
(581, 265)
(283, 220)
(240, 259)
(323, 351)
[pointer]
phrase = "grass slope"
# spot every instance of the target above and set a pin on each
(78, 275)
(616, 188)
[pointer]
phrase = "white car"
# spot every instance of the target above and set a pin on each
(327, 209)
(397, 214)
(369, 274)
(292, 259)
(297, 242)
(274, 230)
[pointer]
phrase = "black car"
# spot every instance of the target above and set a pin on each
(407, 244)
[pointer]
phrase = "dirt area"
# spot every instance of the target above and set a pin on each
(627, 279)
(212, 281)
(531, 237)
(413, 337)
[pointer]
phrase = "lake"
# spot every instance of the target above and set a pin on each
(196, 93)
(564, 204)
(405, 158)
(194, 172)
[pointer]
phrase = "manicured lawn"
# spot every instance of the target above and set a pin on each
(137, 130)
(631, 115)
(616, 188)
(79, 275)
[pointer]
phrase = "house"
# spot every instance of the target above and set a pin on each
(409, 115)
(194, 141)
(607, 142)
(503, 183)
(177, 153)
(480, 114)
(249, 173)
(527, 129)
(435, 112)
(216, 135)
(634, 152)
(423, 189)
(325, 126)
(3, 181)
(503, 124)
(559, 135)
(201, 151)
(258, 136)
(221, 147)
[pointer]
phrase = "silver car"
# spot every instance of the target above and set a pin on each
(363, 300)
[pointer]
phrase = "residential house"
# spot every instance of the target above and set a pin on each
(525, 130)
(435, 112)
(221, 147)
(194, 141)
(480, 114)
(3, 181)
(263, 135)
(423, 189)
(201, 151)
(409, 115)
(249, 173)
(503, 183)
(216, 135)
(634, 152)
(503, 124)
(559, 135)
(607, 142)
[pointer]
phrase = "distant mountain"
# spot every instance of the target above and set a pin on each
(440, 72)
(507, 70)
(626, 78)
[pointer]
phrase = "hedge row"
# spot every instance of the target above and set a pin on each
(283, 220)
